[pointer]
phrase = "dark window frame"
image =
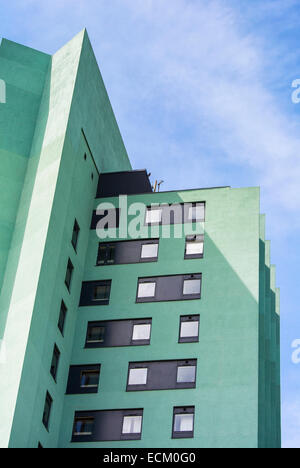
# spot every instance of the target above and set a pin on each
(96, 416)
(177, 410)
(131, 342)
(54, 365)
(75, 234)
(189, 318)
(187, 239)
(75, 434)
(88, 290)
(168, 206)
(115, 244)
(47, 414)
(62, 317)
(172, 385)
(180, 297)
(74, 386)
(69, 274)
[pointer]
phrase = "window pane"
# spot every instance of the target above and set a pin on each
(189, 329)
(102, 254)
(191, 286)
(111, 254)
(196, 213)
(101, 292)
(141, 332)
(194, 247)
(83, 427)
(186, 374)
(146, 290)
(75, 235)
(184, 423)
(96, 334)
(153, 216)
(132, 425)
(138, 376)
(149, 251)
(89, 379)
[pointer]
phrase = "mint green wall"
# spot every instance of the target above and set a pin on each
(226, 397)
(23, 71)
(57, 188)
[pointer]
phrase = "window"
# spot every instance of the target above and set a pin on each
(47, 410)
(196, 213)
(161, 375)
(101, 292)
(186, 374)
(132, 425)
(106, 254)
(112, 333)
(89, 378)
(149, 251)
(141, 332)
(55, 361)
(83, 379)
(69, 274)
(107, 425)
(95, 334)
(127, 252)
(146, 289)
(194, 246)
(95, 293)
(62, 317)
(83, 426)
(191, 287)
(169, 288)
(138, 376)
(75, 234)
(189, 328)
(183, 422)
(176, 213)
(153, 215)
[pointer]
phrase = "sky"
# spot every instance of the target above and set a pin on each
(202, 92)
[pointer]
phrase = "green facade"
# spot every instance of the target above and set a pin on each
(57, 111)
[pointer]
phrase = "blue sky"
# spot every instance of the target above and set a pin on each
(202, 93)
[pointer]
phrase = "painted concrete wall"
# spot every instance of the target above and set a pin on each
(226, 398)
(48, 183)
(58, 187)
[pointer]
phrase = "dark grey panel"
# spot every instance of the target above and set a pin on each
(162, 375)
(73, 386)
(114, 184)
(125, 252)
(169, 288)
(176, 213)
(87, 293)
(189, 318)
(118, 333)
(184, 434)
(196, 238)
(107, 425)
(114, 216)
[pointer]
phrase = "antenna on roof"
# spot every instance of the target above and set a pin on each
(159, 184)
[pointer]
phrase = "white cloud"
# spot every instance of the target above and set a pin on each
(190, 82)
